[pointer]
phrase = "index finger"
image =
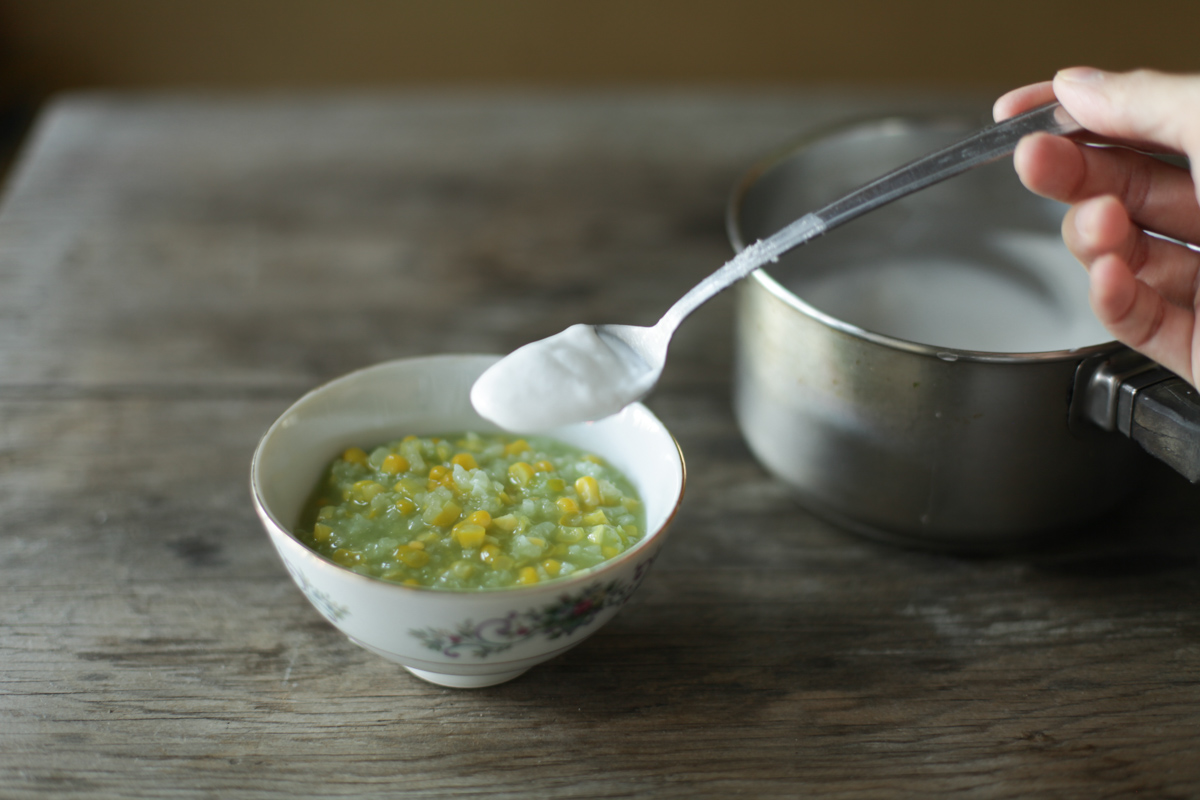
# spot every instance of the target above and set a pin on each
(1022, 99)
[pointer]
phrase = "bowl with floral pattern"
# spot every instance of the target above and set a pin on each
(456, 638)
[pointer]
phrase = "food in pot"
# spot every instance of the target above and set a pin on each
(468, 511)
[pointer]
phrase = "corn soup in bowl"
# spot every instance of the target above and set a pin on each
(462, 552)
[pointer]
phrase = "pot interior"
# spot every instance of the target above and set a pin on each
(975, 263)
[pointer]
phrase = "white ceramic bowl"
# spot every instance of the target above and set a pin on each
(460, 639)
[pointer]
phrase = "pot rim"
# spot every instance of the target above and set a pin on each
(890, 122)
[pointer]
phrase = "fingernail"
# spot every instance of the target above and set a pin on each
(1081, 75)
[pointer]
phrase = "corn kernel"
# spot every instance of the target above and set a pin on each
(411, 582)
(417, 545)
(355, 455)
(465, 460)
(567, 505)
(597, 517)
(481, 518)
(413, 558)
(552, 567)
(543, 466)
(516, 446)
(321, 533)
(469, 534)
(405, 506)
(489, 553)
(347, 558)
(463, 569)
(559, 550)
(570, 520)
(589, 490)
(508, 523)
(365, 491)
(394, 464)
(609, 551)
(569, 535)
(595, 459)
(630, 503)
(556, 484)
(504, 498)
(537, 540)
(527, 576)
(520, 473)
(447, 516)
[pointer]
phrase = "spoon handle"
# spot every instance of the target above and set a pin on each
(981, 147)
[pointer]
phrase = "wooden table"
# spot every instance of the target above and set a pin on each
(175, 271)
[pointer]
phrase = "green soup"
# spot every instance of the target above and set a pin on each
(466, 511)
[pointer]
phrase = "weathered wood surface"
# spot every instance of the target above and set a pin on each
(174, 272)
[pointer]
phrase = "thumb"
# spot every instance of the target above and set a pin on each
(1141, 106)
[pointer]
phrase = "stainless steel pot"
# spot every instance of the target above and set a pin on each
(952, 443)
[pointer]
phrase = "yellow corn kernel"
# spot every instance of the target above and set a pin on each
(469, 534)
(355, 455)
(516, 446)
(567, 505)
(597, 517)
(447, 516)
(609, 552)
(326, 512)
(537, 540)
(409, 486)
(569, 535)
(411, 557)
(527, 576)
(465, 460)
(520, 473)
(365, 491)
(507, 523)
(552, 567)
(595, 459)
(570, 520)
(405, 506)
(589, 490)
(347, 558)
(394, 464)
(463, 569)
(504, 498)
(559, 550)
(556, 484)
(629, 531)
(630, 503)
(596, 535)
(411, 582)
(409, 438)
(489, 553)
(321, 533)
(543, 466)
(437, 472)
(416, 545)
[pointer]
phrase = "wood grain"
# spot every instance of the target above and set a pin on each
(174, 271)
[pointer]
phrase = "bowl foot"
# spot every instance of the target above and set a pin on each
(466, 681)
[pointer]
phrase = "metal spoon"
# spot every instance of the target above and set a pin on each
(639, 353)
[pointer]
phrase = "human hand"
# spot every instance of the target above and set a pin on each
(1144, 289)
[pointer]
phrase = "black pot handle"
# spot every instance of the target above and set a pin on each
(1127, 392)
